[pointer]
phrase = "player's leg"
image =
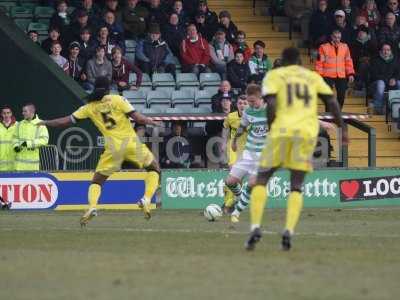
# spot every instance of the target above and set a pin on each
(233, 183)
(243, 201)
(294, 206)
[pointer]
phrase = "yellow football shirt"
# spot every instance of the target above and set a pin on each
(109, 115)
(296, 89)
(232, 122)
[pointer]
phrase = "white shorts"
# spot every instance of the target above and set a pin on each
(246, 165)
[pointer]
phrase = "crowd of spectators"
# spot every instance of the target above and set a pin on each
(368, 28)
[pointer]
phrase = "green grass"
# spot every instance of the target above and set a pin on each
(349, 254)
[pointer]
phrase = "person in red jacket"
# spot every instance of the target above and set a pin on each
(195, 52)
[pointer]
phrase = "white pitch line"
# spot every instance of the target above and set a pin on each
(232, 232)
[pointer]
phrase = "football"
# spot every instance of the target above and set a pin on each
(213, 212)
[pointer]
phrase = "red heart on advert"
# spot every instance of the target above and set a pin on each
(350, 188)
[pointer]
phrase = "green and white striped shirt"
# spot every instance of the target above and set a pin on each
(255, 119)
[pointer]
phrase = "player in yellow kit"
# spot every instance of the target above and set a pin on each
(231, 125)
(292, 94)
(110, 114)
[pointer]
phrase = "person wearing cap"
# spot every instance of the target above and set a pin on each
(221, 52)
(61, 19)
(335, 65)
(153, 53)
(204, 29)
(54, 35)
(343, 26)
(121, 69)
(134, 20)
(157, 14)
(96, 67)
(76, 63)
(259, 62)
(238, 71)
(389, 33)
(86, 44)
(351, 11)
(211, 18)
(321, 23)
(34, 36)
(362, 49)
(92, 11)
(224, 91)
(226, 24)
(173, 33)
(195, 52)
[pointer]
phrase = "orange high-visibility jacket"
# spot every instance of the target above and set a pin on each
(334, 62)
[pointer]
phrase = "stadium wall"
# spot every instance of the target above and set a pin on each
(28, 75)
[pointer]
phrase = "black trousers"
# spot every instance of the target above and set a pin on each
(341, 86)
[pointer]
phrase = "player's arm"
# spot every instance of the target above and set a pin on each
(240, 131)
(271, 108)
(142, 119)
(225, 135)
(333, 108)
(59, 122)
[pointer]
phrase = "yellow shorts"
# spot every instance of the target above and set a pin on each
(114, 155)
(289, 152)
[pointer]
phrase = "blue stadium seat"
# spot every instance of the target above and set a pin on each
(160, 99)
(203, 98)
(183, 98)
(187, 81)
(41, 28)
(137, 98)
(22, 23)
(43, 12)
(19, 12)
(163, 81)
(6, 6)
(209, 79)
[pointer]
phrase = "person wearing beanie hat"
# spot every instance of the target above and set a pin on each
(153, 53)
(210, 20)
(226, 24)
(204, 29)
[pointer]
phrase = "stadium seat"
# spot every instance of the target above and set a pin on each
(146, 81)
(6, 6)
(136, 98)
(202, 110)
(19, 12)
(22, 23)
(203, 98)
(29, 5)
(182, 98)
(151, 110)
(209, 79)
(163, 81)
(39, 27)
(211, 89)
(43, 12)
(187, 81)
(160, 99)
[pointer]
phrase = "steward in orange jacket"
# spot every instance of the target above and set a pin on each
(334, 63)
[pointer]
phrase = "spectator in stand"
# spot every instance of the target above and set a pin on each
(97, 66)
(226, 24)
(54, 35)
(55, 55)
(320, 24)
(120, 72)
(362, 49)
(114, 28)
(76, 63)
(259, 63)
(104, 40)
(178, 9)
(134, 20)
(61, 19)
(335, 65)
(361, 21)
(202, 28)
(221, 53)
(211, 19)
(350, 10)
(384, 75)
(343, 26)
(112, 5)
(92, 10)
(392, 6)
(389, 33)
(156, 13)
(173, 34)
(241, 44)
(8, 126)
(176, 152)
(371, 13)
(153, 54)
(300, 11)
(224, 91)
(34, 36)
(87, 45)
(238, 71)
(82, 21)
(195, 52)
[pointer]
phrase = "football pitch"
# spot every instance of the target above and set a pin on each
(337, 254)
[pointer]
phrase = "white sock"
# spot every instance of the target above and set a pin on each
(254, 226)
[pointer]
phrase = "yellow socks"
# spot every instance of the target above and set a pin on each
(258, 200)
(94, 194)
(228, 199)
(294, 206)
(151, 182)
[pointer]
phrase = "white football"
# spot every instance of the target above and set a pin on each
(213, 212)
